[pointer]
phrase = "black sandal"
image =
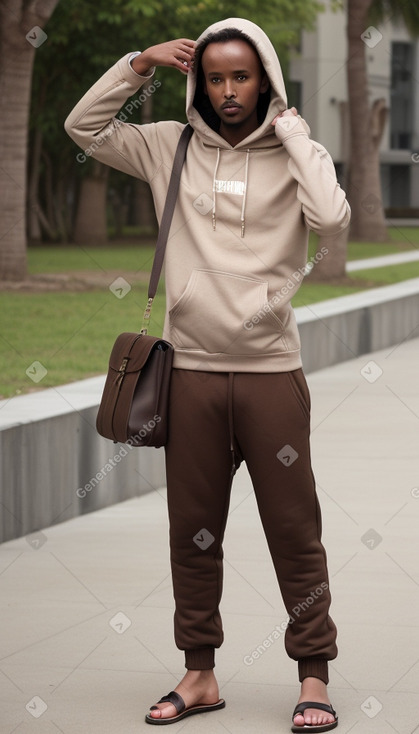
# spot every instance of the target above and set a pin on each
(314, 728)
(182, 711)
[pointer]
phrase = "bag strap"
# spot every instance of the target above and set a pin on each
(166, 221)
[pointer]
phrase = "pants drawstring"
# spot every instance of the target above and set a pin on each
(230, 421)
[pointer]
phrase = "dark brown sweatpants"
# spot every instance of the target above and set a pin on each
(218, 419)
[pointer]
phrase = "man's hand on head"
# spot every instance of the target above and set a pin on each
(177, 54)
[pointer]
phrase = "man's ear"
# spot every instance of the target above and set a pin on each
(264, 85)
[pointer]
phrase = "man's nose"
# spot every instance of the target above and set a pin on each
(229, 89)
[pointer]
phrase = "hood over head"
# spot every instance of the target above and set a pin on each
(278, 98)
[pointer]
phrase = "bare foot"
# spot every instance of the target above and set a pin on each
(197, 686)
(313, 689)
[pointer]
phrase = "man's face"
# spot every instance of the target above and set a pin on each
(233, 79)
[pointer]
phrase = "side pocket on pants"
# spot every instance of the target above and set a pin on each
(300, 390)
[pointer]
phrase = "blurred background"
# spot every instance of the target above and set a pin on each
(351, 69)
(70, 226)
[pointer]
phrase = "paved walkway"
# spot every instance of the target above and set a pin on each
(87, 605)
(398, 258)
(399, 222)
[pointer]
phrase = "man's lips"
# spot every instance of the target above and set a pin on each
(230, 109)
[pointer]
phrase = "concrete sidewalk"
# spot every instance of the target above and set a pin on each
(398, 258)
(87, 605)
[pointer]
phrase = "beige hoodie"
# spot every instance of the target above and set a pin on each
(238, 242)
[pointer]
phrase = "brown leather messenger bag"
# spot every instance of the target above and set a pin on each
(134, 404)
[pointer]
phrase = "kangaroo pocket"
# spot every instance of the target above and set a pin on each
(221, 312)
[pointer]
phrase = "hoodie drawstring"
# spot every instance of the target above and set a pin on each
(214, 191)
(245, 192)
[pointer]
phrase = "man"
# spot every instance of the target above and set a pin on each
(252, 185)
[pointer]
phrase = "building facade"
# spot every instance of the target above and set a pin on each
(319, 89)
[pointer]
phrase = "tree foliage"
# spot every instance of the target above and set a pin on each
(86, 38)
(406, 11)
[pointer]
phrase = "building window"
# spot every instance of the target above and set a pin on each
(402, 94)
(396, 187)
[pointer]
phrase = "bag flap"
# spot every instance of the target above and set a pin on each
(135, 349)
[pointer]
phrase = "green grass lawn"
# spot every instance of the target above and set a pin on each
(66, 259)
(140, 257)
(390, 273)
(71, 333)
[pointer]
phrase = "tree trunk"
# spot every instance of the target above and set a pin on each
(91, 225)
(364, 191)
(35, 217)
(143, 209)
(50, 189)
(65, 210)
(332, 264)
(330, 259)
(16, 63)
(119, 200)
(62, 210)
(34, 228)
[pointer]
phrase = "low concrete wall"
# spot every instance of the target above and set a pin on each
(343, 328)
(55, 466)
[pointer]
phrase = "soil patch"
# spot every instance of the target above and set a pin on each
(88, 280)
(77, 280)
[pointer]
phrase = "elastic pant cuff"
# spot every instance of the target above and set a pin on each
(202, 658)
(313, 667)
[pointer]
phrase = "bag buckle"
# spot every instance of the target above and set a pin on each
(146, 316)
(121, 370)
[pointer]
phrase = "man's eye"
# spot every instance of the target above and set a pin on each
(242, 78)
(215, 80)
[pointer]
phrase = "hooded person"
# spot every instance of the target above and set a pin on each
(255, 201)
(236, 255)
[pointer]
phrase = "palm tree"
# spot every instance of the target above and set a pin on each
(20, 35)
(367, 120)
(366, 123)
